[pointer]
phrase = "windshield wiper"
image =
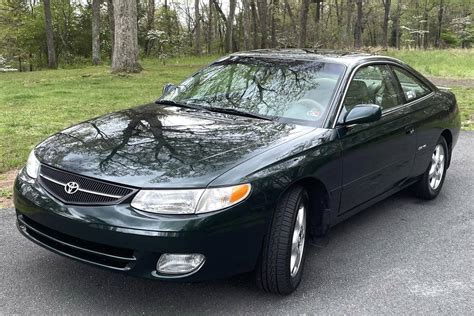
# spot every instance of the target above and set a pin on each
(238, 112)
(214, 109)
(180, 104)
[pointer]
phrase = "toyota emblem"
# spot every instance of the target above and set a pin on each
(71, 187)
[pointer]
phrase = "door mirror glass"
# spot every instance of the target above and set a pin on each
(168, 88)
(363, 113)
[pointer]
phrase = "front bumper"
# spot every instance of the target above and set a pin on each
(123, 239)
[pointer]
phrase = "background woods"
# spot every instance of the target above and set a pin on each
(46, 33)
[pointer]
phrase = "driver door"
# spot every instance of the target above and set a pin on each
(377, 156)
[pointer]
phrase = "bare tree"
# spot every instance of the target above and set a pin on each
(96, 32)
(303, 22)
(52, 63)
(167, 18)
(263, 14)
(273, 8)
(209, 29)
(125, 58)
(386, 15)
(230, 27)
(197, 28)
(110, 13)
(150, 22)
(358, 26)
(349, 10)
(290, 14)
(440, 24)
(254, 24)
(246, 23)
(395, 41)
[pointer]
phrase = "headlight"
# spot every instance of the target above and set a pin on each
(190, 201)
(32, 165)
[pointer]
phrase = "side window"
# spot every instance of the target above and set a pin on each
(412, 87)
(373, 84)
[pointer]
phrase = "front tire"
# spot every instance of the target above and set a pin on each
(281, 264)
(432, 180)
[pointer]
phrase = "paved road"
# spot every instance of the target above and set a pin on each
(400, 256)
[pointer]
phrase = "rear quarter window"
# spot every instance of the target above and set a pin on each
(412, 87)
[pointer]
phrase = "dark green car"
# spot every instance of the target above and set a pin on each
(235, 168)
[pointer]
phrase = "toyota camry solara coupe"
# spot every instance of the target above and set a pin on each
(237, 167)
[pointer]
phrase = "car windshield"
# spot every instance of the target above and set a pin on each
(299, 91)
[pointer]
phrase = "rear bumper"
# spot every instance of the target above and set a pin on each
(120, 238)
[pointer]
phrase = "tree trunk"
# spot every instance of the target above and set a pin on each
(290, 14)
(440, 23)
(395, 39)
(96, 32)
(292, 20)
(358, 26)
(197, 27)
(263, 13)
(228, 47)
(167, 18)
(246, 24)
(254, 24)
(110, 13)
(303, 22)
(350, 7)
(150, 24)
(317, 19)
(219, 25)
(426, 26)
(209, 29)
(125, 58)
(52, 63)
(273, 7)
(386, 16)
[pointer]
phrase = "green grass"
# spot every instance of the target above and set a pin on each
(449, 63)
(465, 98)
(37, 104)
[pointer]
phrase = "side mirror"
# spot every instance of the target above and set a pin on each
(363, 113)
(168, 88)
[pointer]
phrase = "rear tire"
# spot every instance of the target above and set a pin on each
(281, 264)
(430, 184)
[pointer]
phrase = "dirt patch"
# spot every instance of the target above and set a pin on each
(450, 83)
(6, 185)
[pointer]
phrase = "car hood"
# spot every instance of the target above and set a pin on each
(162, 146)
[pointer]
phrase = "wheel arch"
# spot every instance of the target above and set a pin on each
(448, 136)
(319, 208)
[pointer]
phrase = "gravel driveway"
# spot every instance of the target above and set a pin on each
(401, 256)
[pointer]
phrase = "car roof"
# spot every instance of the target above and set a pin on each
(348, 58)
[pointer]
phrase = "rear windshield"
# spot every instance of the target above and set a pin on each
(288, 90)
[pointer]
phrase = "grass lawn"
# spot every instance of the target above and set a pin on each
(37, 104)
(449, 63)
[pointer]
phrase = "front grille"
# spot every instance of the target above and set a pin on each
(89, 192)
(79, 249)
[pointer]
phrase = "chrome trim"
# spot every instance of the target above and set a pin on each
(103, 254)
(157, 274)
(390, 110)
(82, 190)
(25, 233)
